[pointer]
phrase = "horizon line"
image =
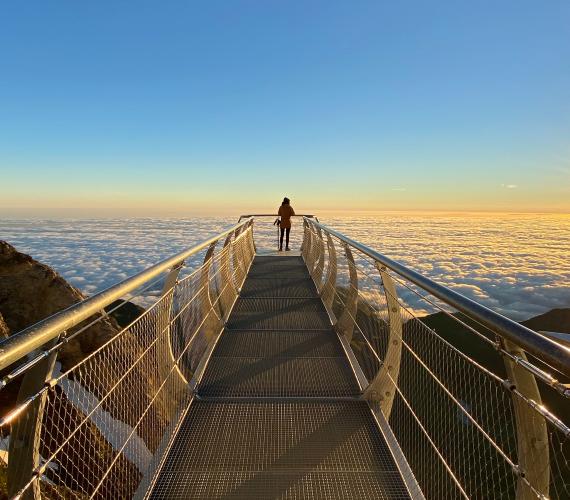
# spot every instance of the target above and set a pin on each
(202, 214)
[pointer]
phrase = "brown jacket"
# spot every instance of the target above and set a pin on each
(286, 212)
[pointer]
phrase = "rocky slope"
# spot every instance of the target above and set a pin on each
(4, 330)
(31, 291)
(556, 320)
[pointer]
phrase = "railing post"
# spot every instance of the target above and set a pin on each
(328, 289)
(532, 432)
(309, 249)
(319, 268)
(25, 432)
(306, 245)
(226, 273)
(312, 249)
(381, 390)
(168, 295)
(243, 251)
(252, 238)
(345, 324)
(226, 276)
(237, 262)
(304, 237)
(207, 304)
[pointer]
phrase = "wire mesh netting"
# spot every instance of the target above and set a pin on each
(469, 416)
(472, 415)
(96, 429)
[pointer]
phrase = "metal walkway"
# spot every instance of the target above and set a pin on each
(277, 413)
(310, 376)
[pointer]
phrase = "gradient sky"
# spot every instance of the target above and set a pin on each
(160, 108)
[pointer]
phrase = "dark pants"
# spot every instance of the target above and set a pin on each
(283, 231)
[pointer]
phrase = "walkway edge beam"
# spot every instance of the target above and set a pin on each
(547, 350)
(21, 343)
(309, 216)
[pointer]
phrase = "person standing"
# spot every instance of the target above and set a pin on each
(285, 212)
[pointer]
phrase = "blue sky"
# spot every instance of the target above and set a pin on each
(184, 107)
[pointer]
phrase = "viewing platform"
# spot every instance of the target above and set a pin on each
(277, 412)
(286, 375)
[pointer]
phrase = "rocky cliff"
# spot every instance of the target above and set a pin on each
(4, 330)
(31, 291)
(556, 320)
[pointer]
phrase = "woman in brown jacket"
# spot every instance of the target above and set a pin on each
(285, 212)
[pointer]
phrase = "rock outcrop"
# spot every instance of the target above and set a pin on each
(124, 312)
(31, 291)
(4, 330)
(555, 320)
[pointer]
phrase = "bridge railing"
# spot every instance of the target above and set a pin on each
(97, 425)
(478, 404)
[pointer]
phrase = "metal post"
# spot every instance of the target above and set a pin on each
(243, 252)
(25, 432)
(251, 241)
(532, 431)
(304, 237)
(311, 260)
(381, 390)
(237, 263)
(228, 285)
(252, 238)
(168, 295)
(345, 324)
(328, 289)
(319, 268)
(207, 304)
(306, 245)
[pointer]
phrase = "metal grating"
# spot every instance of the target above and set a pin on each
(279, 450)
(278, 377)
(262, 343)
(279, 343)
(279, 314)
(271, 260)
(282, 272)
(205, 485)
(274, 265)
(279, 287)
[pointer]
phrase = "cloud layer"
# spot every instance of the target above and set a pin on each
(518, 265)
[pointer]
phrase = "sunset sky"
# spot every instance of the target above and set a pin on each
(181, 108)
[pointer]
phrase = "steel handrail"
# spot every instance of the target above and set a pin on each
(547, 350)
(20, 344)
(309, 216)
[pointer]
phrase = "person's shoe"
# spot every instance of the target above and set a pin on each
(287, 249)
(280, 249)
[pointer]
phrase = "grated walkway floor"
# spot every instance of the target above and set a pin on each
(254, 432)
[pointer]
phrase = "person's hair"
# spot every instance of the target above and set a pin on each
(285, 201)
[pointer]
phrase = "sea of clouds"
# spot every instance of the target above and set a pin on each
(518, 265)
